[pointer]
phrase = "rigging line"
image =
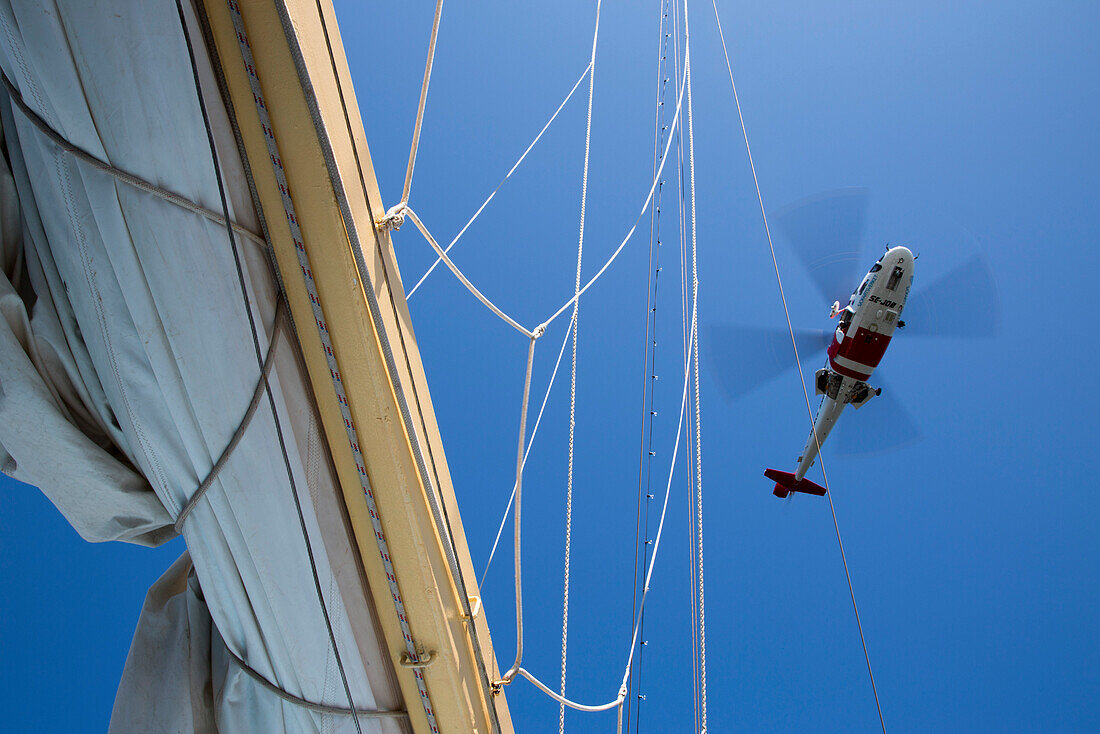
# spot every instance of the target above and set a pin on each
(664, 510)
(260, 361)
(649, 575)
(499, 185)
(680, 218)
(511, 673)
(407, 211)
(692, 577)
(630, 233)
(565, 701)
(805, 392)
(677, 136)
(530, 443)
(423, 101)
(465, 281)
(701, 607)
(683, 295)
(654, 227)
(682, 226)
(646, 559)
(573, 375)
(682, 221)
(653, 278)
(514, 670)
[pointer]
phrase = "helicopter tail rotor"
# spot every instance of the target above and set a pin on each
(785, 484)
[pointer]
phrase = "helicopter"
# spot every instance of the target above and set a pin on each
(866, 326)
(825, 233)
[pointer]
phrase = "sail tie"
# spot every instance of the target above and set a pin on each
(127, 178)
(246, 421)
(320, 708)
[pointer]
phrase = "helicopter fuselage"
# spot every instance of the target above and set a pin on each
(864, 332)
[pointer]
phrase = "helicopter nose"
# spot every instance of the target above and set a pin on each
(900, 251)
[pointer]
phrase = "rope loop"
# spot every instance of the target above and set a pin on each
(394, 217)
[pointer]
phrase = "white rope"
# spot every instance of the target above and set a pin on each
(523, 447)
(645, 206)
(465, 281)
(571, 704)
(423, 101)
(686, 297)
(530, 443)
(407, 211)
(517, 670)
(802, 378)
(573, 376)
(650, 319)
(664, 510)
(698, 419)
(508, 676)
(506, 177)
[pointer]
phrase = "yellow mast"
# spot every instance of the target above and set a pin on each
(307, 91)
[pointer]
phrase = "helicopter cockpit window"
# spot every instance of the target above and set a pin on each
(863, 286)
(895, 277)
(876, 267)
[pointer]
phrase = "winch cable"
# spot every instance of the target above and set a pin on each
(798, 364)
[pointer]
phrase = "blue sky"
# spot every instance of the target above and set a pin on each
(974, 553)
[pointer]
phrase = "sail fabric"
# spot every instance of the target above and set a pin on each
(127, 364)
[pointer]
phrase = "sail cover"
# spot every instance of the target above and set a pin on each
(128, 366)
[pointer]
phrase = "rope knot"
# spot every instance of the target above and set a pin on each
(538, 331)
(394, 217)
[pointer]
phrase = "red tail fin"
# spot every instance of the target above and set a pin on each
(785, 483)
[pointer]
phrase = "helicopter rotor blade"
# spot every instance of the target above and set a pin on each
(882, 425)
(745, 357)
(826, 231)
(962, 303)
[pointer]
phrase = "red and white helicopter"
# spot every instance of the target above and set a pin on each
(825, 232)
(866, 326)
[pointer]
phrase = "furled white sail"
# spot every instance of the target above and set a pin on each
(127, 365)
